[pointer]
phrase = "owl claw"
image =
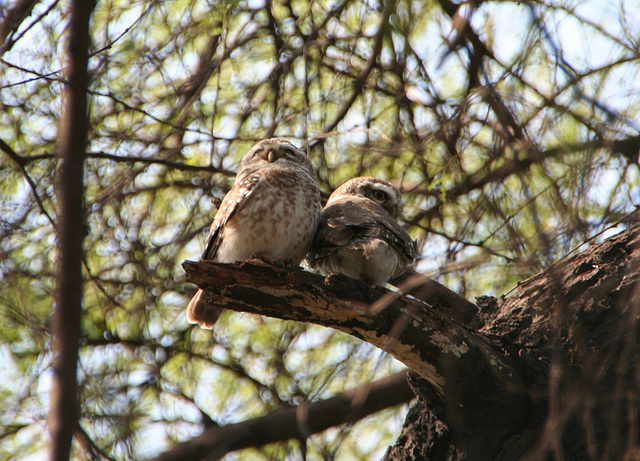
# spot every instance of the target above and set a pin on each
(281, 264)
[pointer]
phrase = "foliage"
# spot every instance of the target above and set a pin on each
(497, 121)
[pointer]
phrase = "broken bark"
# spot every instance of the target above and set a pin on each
(482, 383)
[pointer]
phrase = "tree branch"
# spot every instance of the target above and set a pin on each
(462, 366)
(13, 18)
(295, 422)
(627, 147)
(21, 162)
(63, 417)
(574, 331)
(364, 74)
(128, 159)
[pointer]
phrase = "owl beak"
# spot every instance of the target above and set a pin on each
(272, 156)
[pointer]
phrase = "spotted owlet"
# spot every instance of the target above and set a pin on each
(271, 212)
(359, 236)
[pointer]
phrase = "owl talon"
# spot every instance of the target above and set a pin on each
(273, 262)
(338, 280)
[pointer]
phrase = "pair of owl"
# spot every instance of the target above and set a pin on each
(273, 212)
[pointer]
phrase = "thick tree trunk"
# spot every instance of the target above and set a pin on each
(573, 331)
(549, 369)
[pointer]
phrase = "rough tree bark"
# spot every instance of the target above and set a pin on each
(547, 370)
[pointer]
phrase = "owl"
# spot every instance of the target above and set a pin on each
(271, 212)
(358, 234)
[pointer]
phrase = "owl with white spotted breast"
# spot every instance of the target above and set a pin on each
(271, 212)
(358, 234)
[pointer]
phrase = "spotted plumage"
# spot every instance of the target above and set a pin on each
(358, 234)
(270, 213)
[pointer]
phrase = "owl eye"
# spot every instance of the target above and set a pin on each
(379, 195)
(289, 152)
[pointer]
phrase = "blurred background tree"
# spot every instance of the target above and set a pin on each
(512, 129)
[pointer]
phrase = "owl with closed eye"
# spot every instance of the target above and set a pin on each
(271, 212)
(359, 235)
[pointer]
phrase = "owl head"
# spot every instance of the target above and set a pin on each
(273, 152)
(378, 190)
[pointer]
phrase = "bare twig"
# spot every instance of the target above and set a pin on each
(21, 162)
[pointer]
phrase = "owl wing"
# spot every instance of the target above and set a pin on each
(351, 221)
(232, 202)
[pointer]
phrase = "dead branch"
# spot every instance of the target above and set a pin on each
(462, 365)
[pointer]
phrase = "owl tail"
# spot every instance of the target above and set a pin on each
(202, 311)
